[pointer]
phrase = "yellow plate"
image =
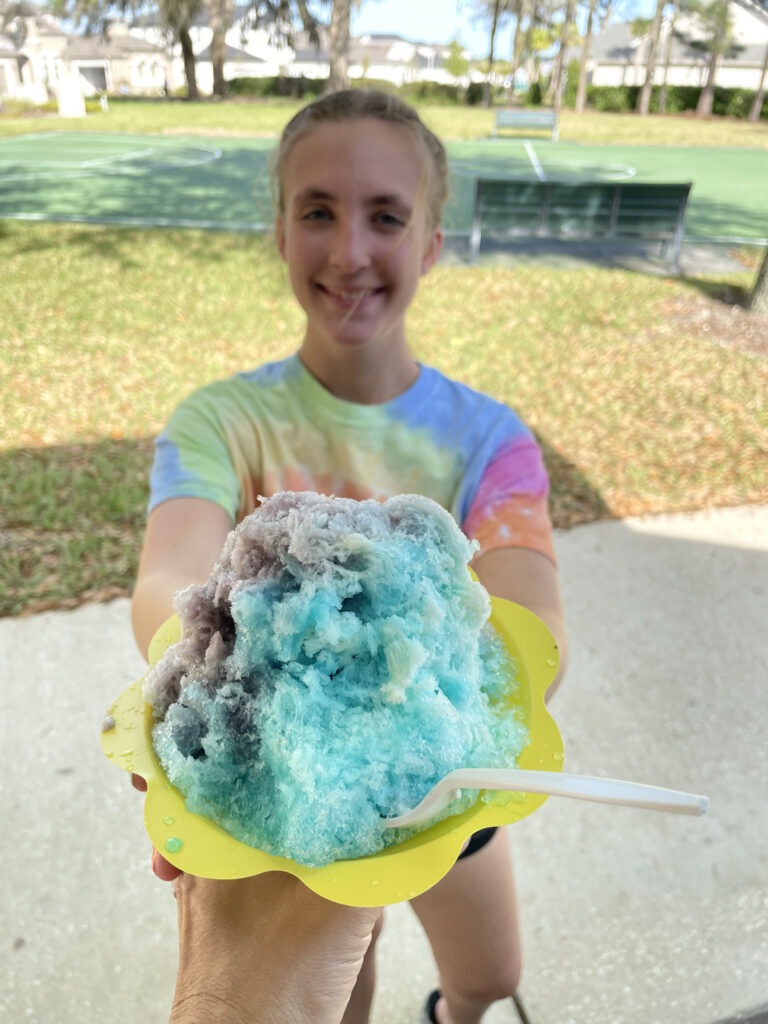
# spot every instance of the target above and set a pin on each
(200, 847)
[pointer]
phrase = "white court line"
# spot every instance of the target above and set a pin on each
(538, 169)
(196, 155)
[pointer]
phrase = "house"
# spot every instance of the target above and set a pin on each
(618, 57)
(389, 58)
(38, 57)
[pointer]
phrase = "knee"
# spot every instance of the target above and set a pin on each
(499, 981)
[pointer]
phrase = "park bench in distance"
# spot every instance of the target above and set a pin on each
(526, 120)
(629, 212)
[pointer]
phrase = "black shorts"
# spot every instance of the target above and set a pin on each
(477, 841)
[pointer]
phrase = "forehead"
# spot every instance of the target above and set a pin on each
(356, 156)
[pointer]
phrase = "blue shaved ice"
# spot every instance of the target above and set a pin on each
(336, 664)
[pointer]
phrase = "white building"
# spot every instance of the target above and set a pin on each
(619, 58)
(37, 56)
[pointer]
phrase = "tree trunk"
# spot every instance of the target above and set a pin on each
(517, 42)
(581, 91)
(338, 45)
(653, 45)
(758, 302)
(557, 78)
(706, 99)
(219, 19)
(188, 56)
(757, 105)
(487, 95)
(667, 58)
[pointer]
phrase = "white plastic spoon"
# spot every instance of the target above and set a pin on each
(580, 787)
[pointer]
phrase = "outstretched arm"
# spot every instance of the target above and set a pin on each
(183, 541)
(530, 579)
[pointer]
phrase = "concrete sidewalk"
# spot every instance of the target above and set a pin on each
(628, 916)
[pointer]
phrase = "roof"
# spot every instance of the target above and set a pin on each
(617, 45)
(232, 54)
(104, 47)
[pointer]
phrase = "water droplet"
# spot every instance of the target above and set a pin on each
(558, 756)
(375, 881)
(108, 723)
(168, 821)
(174, 844)
(129, 767)
(126, 753)
(552, 662)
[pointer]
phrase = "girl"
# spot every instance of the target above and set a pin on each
(360, 187)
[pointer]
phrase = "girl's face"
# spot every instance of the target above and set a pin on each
(353, 232)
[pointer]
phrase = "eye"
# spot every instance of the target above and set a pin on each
(389, 219)
(316, 213)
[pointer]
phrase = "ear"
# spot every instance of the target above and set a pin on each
(433, 249)
(280, 234)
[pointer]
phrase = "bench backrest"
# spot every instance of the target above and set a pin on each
(562, 208)
(525, 118)
(567, 209)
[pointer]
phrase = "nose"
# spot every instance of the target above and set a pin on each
(350, 247)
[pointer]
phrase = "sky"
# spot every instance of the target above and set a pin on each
(441, 21)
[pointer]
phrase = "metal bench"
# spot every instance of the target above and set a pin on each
(526, 119)
(511, 210)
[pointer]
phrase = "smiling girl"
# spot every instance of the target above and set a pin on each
(360, 185)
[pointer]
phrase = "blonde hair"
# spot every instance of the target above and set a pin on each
(355, 104)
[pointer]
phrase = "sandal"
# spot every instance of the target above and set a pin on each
(428, 1013)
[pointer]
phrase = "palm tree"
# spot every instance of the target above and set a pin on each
(644, 103)
(757, 104)
(715, 18)
(581, 90)
(668, 57)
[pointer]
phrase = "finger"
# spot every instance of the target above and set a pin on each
(139, 783)
(164, 870)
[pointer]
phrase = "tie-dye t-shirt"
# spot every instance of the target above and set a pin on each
(277, 428)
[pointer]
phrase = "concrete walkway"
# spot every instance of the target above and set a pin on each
(628, 916)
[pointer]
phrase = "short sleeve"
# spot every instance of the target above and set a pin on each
(510, 506)
(193, 458)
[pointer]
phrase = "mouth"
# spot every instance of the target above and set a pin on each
(349, 298)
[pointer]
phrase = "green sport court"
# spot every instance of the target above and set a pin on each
(223, 183)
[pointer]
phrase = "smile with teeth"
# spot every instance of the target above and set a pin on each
(349, 297)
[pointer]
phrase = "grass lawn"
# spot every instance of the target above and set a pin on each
(267, 117)
(648, 394)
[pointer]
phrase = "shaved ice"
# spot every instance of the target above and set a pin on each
(335, 665)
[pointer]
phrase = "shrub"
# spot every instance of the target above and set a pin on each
(475, 94)
(430, 92)
(276, 85)
(535, 94)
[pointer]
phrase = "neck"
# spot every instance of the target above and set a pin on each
(354, 377)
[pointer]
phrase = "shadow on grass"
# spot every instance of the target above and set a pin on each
(118, 243)
(72, 524)
(573, 499)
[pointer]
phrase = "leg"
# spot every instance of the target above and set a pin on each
(470, 918)
(358, 1008)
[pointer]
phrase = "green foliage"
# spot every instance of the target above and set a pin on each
(277, 86)
(615, 99)
(430, 92)
(475, 93)
(571, 83)
(622, 99)
(535, 94)
(456, 64)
